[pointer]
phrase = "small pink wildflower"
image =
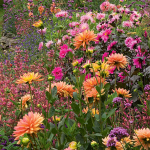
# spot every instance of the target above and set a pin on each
(73, 24)
(62, 14)
(49, 43)
(57, 72)
(40, 46)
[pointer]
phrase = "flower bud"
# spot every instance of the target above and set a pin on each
(50, 78)
(94, 143)
(25, 141)
(75, 71)
(38, 105)
(73, 145)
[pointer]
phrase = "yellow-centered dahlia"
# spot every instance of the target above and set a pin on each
(29, 78)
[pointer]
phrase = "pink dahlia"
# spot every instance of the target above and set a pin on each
(105, 6)
(110, 46)
(57, 72)
(105, 35)
(64, 50)
(139, 62)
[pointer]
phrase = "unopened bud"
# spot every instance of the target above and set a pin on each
(25, 141)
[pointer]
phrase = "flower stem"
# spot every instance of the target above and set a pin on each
(31, 97)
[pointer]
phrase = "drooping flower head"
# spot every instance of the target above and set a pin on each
(57, 72)
(83, 39)
(29, 78)
(117, 60)
(123, 93)
(63, 89)
(25, 99)
(30, 124)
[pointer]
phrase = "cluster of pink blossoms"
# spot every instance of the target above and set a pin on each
(64, 50)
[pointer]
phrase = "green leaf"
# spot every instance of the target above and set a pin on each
(54, 131)
(17, 113)
(16, 104)
(61, 123)
(75, 95)
(48, 96)
(51, 112)
(70, 55)
(107, 87)
(75, 108)
(81, 79)
(54, 91)
(97, 117)
(44, 112)
(110, 113)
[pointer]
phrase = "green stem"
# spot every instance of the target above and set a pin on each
(58, 138)
(31, 97)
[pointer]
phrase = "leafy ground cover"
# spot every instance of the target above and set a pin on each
(79, 78)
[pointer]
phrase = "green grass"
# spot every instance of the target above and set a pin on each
(1, 20)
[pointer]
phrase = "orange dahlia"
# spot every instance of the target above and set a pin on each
(63, 89)
(29, 78)
(83, 39)
(142, 137)
(91, 83)
(123, 93)
(117, 60)
(30, 124)
(26, 98)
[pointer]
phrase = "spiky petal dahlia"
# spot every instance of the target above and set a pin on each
(30, 124)
(121, 92)
(83, 39)
(142, 137)
(29, 78)
(117, 60)
(91, 83)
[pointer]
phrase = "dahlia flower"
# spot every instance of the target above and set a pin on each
(83, 39)
(117, 60)
(30, 124)
(29, 78)
(142, 137)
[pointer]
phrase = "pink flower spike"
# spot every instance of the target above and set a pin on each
(49, 43)
(40, 46)
(57, 72)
